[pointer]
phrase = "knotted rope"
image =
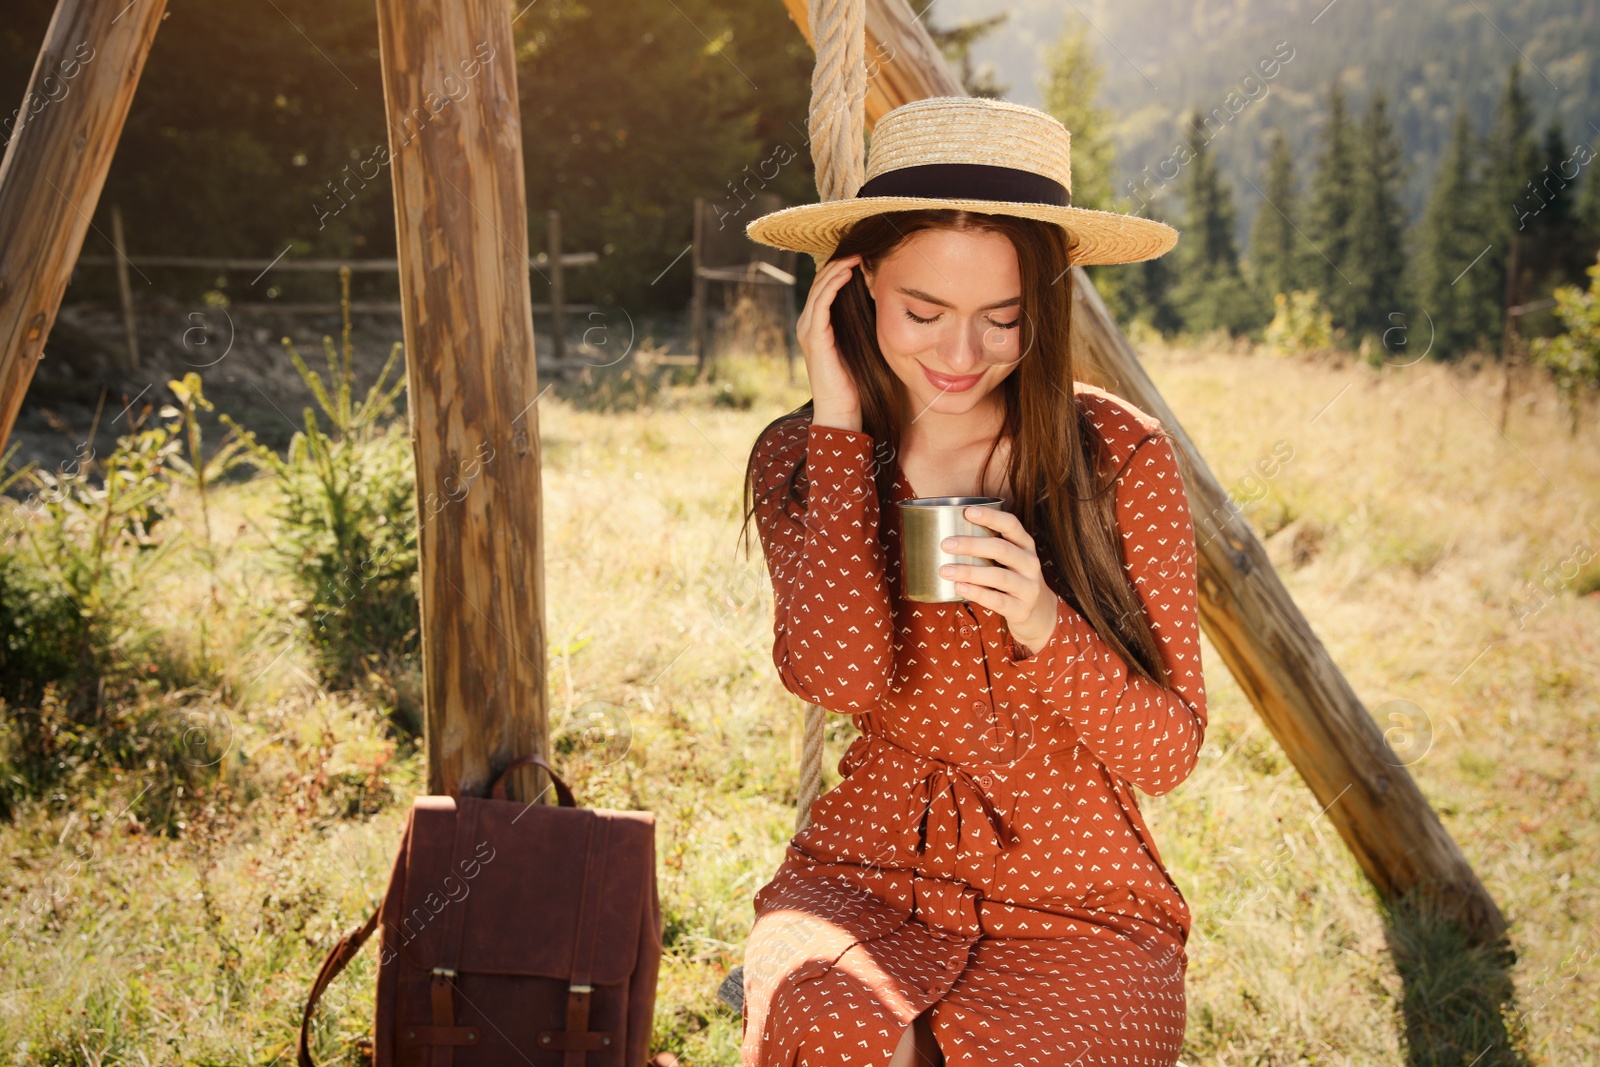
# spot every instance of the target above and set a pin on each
(837, 129)
(838, 121)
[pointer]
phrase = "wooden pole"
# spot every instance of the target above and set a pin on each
(55, 166)
(558, 287)
(449, 82)
(1266, 642)
(130, 325)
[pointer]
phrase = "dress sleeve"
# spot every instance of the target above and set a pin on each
(833, 627)
(1148, 734)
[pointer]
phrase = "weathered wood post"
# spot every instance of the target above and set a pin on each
(455, 149)
(55, 166)
(1268, 645)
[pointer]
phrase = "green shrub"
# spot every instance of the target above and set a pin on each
(1573, 357)
(346, 523)
(40, 631)
(1299, 323)
(77, 551)
(75, 652)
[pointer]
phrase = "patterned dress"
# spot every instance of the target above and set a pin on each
(984, 855)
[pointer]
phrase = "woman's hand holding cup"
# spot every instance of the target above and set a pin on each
(1015, 589)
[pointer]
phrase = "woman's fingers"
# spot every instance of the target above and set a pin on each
(998, 549)
(1003, 523)
(1001, 578)
(824, 285)
(997, 601)
(833, 276)
(814, 318)
(1015, 586)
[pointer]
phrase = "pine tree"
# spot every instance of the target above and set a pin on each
(1375, 262)
(1211, 292)
(1588, 204)
(1548, 212)
(955, 43)
(1513, 159)
(1141, 291)
(1456, 308)
(1069, 88)
(1549, 199)
(1277, 255)
(1333, 185)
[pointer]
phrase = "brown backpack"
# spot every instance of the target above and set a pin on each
(511, 932)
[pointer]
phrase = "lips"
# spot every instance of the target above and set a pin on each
(951, 383)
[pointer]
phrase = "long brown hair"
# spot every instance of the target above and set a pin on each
(1053, 443)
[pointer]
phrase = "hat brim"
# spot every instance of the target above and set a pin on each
(1097, 237)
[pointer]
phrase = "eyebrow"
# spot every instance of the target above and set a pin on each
(920, 295)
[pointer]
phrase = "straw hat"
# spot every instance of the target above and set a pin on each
(975, 154)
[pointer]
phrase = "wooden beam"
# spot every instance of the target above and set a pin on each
(455, 146)
(1266, 642)
(55, 166)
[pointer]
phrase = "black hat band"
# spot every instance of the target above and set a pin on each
(968, 181)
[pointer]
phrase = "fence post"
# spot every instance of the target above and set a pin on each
(130, 325)
(558, 287)
(697, 306)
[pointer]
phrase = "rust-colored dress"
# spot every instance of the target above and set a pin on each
(984, 855)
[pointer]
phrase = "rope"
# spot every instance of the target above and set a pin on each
(810, 765)
(838, 121)
(837, 127)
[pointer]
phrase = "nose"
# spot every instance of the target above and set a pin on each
(961, 350)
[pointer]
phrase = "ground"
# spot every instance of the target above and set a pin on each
(1447, 566)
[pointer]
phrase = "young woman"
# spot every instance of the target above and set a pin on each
(980, 888)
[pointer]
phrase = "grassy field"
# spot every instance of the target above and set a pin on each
(153, 915)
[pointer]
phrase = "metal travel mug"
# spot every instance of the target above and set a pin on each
(924, 524)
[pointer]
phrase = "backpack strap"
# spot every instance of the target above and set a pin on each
(577, 1039)
(497, 788)
(444, 1034)
(343, 951)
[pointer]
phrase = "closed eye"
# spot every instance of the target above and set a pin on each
(1013, 324)
(914, 317)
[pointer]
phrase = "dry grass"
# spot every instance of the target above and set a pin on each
(1407, 528)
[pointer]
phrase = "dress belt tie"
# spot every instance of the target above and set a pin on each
(947, 800)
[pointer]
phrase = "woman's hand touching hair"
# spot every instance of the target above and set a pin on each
(835, 399)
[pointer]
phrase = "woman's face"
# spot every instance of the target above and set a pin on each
(949, 316)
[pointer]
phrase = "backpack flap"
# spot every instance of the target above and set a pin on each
(521, 926)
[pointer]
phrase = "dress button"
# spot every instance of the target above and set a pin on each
(980, 707)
